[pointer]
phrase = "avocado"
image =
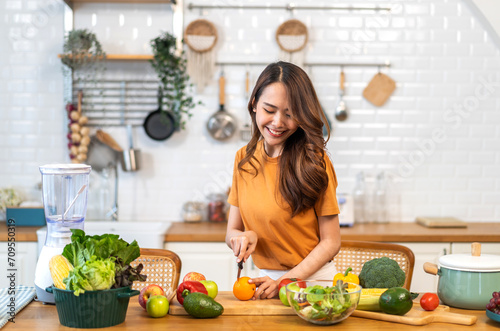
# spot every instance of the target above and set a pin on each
(396, 301)
(200, 305)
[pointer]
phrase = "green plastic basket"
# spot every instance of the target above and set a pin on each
(92, 309)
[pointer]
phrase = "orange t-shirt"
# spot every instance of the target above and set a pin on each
(283, 242)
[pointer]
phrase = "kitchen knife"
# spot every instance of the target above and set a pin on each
(240, 266)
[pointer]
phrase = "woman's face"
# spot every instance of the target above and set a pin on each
(274, 118)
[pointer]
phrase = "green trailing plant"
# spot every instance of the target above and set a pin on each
(174, 80)
(83, 59)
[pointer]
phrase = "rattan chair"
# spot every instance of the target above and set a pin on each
(163, 267)
(355, 253)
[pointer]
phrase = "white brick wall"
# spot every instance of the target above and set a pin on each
(441, 58)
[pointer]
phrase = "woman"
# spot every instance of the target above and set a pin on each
(284, 210)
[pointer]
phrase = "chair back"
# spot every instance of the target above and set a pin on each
(163, 267)
(354, 254)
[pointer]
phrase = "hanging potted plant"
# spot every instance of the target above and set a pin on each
(174, 80)
(82, 50)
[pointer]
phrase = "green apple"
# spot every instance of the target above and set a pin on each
(211, 287)
(157, 306)
(283, 297)
(282, 292)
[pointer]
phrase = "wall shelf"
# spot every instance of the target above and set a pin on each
(70, 3)
(146, 57)
(124, 57)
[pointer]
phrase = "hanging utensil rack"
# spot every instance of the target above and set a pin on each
(386, 64)
(290, 7)
(117, 102)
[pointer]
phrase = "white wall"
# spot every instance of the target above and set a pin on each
(446, 67)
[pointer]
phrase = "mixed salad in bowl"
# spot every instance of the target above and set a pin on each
(323, 302)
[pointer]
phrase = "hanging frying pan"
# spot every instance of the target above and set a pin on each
(159, 125)
(221, 125)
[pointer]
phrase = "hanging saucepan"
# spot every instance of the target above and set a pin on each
(159, 124)
(100, 155)
(221, 125)
(466, 281)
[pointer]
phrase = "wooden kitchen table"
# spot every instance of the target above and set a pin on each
(37, 316)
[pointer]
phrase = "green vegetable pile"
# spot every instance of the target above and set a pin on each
(100, 262)
(323, 304)
(381, 272)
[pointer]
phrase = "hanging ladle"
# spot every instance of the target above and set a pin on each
(341, 110)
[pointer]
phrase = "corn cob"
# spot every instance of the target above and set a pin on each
(369, 299)
(59, 267)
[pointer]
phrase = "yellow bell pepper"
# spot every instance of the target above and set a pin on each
(346, 277)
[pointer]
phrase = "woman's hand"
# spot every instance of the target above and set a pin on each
(267, 288)
(243, 245)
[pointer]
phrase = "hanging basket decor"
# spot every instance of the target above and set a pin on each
(201, 37)
(292, 36)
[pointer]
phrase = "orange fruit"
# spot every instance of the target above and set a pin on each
(243, 290)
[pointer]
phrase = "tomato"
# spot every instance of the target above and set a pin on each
(429, 301)
(286, 281)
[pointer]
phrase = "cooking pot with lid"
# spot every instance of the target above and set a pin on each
(467, 280)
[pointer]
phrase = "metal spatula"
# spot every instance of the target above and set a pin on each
(341, 110)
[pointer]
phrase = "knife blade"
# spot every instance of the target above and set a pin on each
(240, 266)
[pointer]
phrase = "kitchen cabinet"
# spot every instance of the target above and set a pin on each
(214, 260)
(25, 262)
(426, 252)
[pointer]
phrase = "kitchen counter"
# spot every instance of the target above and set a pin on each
(23, 233)
(389, 232)
(37, 316)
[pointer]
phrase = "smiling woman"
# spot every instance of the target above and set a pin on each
(284, 209)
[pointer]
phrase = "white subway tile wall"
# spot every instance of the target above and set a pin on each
(438, 135)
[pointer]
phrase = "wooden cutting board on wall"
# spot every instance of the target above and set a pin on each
(416, 316)
(379, 89)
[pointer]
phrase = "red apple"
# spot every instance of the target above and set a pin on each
(286, 281)
(148, 291)
(194, 276)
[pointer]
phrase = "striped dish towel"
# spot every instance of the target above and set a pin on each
(12, 300)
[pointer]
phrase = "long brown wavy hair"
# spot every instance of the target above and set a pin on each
(302, 172)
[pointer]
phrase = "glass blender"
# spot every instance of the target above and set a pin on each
(64, 190)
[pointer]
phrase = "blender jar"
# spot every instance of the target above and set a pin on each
(64, 191)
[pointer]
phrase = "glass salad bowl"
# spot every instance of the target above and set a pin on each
(323, 302)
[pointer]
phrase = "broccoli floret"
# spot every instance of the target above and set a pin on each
(381, 272)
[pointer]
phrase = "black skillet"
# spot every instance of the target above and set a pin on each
(159, 125)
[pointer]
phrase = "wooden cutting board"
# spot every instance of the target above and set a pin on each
(233, 306)
(379, 89)
(416, 316)
(441, 222)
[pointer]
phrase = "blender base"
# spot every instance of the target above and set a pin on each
(44, 296)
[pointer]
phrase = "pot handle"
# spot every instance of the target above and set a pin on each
(431, 268)
(49, 289)
(128, 294)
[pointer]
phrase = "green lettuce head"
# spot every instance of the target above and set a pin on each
(93, 275)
